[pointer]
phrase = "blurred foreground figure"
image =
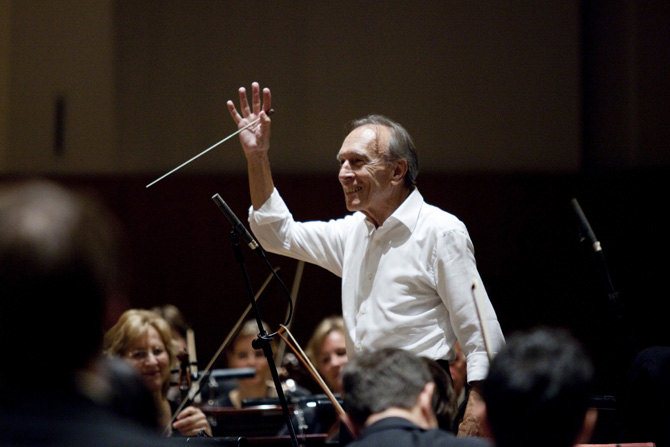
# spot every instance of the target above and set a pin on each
(59, 260)
(538, 391)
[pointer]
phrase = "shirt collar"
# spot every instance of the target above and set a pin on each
(407, 213)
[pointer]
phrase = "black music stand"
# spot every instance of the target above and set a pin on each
(263, 341)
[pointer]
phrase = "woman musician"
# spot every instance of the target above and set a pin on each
(144, 340)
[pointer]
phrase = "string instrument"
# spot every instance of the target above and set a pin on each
(187, 369)
(290, 341)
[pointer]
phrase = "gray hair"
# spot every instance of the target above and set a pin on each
(401, 145)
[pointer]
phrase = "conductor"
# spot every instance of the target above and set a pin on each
(407, 267)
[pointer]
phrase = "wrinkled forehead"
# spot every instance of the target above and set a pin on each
(369, 139)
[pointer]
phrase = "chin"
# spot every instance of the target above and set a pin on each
(353, 206)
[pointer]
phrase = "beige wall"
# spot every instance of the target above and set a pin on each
(62, 48)
(5, 15)
(482, 86)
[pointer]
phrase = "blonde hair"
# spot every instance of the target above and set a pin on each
(327, 325)
(248, 329)
(132, 325)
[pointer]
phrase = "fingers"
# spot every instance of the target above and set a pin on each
(190, 421)
(257, 105)
(244, 104)
(256, 97)
(267, 99)
(233, 112)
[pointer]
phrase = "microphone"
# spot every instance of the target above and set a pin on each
(585, 228)
(235, 222)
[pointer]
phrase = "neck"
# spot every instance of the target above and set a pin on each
(412, 414)
(395, 199)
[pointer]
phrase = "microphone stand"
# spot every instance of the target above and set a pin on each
(587, 234)
(264, 339)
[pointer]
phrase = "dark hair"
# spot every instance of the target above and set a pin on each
(401, 145)
(444, 399)
(174, 317)
(377, 380)
(541, 381)
(58, 265)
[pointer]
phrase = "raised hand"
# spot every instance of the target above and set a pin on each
(255, 139)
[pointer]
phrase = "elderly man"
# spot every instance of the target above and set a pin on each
(407, 267)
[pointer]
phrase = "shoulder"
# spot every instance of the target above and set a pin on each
(445, 438)
(434, 217)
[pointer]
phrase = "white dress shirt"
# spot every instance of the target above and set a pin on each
(406, 284)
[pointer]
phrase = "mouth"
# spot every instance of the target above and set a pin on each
(353, 190)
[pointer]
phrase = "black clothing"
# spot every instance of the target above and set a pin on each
(68, 420)
(400, 432)
(646, 407)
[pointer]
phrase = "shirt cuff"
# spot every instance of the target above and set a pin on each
(478, 366)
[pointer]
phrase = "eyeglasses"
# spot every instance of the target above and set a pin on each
(141, 355)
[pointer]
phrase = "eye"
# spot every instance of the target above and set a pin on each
(137, 355)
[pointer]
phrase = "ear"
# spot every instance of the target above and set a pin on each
(425, 405)
(590, 419)
(399, 171)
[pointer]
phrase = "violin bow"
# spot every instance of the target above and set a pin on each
(281, 348)
(300, 354)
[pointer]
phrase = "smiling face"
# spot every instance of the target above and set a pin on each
(370, 181)
(150, 357)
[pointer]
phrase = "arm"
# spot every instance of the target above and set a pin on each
(255, 141)
(471, 425)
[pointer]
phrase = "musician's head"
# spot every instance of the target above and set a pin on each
(144, 339)
(59, 260)
(177, 322)
(389, 380)
(540, 381)
(241, 354)
(326, 349)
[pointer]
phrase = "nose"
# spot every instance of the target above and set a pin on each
(337, 360)
(151, 358)
(346, 172)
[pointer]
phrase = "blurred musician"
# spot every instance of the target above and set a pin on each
(256, 390)
(326, 349)
(60, 264)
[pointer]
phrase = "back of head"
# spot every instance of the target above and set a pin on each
(378, 380)
(540, 381)
(58, 264)
(445, 401)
